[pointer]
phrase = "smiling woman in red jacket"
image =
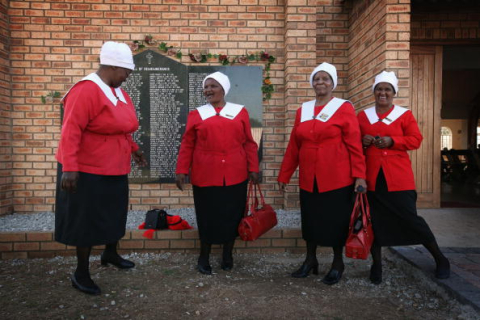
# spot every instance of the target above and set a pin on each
(388, 131)
(219, 149)
(325, 144)
(94, 156)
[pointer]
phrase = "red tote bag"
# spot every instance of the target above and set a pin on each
(360, 235)
(260, 220)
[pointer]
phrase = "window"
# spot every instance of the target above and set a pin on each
(478, 137)
(447, 138)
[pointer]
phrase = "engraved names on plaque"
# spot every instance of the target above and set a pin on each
(163, 92)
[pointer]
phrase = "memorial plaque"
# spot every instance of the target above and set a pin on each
(164, 91)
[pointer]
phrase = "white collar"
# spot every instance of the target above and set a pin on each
(229, 111)
(394, 115)
(106, 89)
(327, 112)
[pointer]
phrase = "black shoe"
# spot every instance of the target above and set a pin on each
(332, 277)
(90, 288)
(376, 274)
(443, 270)
(205, 269)
(227, 265)
(305, 270)
(117, 261)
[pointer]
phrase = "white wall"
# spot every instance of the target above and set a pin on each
(459, 129)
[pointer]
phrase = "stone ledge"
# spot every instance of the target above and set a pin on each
(38, 244)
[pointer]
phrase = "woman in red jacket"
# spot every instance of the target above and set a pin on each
(325, 144)
(219, 149)
(94, 159)
(388, 131)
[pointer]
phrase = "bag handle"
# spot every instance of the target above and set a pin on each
(361, 208)
(252, 198)
(366, 218)
(249, 196)
(355, 212)
(261, 194)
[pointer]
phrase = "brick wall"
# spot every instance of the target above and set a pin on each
(54, 44)
(379, 40)
(5, 115)
(459, 26)
(23, 245)
(300, 33)
(332, 39)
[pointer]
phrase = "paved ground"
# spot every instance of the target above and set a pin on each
(458, 234)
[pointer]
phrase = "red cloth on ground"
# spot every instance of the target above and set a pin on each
(174, 223)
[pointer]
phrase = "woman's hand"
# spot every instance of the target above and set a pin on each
(139, 158)
(253, 176)
(383, 142)
(360, 185)
(180, 180)
(69, 181)
(367, 140)
(282, 186)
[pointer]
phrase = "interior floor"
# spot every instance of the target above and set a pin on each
(458, 194)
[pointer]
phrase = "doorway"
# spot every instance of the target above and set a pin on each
(460, 127)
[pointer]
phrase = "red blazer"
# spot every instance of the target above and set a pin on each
(330, 152)
(96, 134)
(394, 161)
(218, 150)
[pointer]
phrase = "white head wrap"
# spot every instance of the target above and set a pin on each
(328, 68)
(388, 77)
(116, 54)
(221, 79)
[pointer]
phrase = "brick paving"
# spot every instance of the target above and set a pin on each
(464, 281)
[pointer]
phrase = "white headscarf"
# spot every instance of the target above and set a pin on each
(221, 79)
(116, 54)
(388, 77)
(328, 68)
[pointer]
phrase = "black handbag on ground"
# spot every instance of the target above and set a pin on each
(156, 219)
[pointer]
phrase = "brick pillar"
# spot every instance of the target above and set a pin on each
(397, 46)
(332, 39)
(379, 40)
(6, 205)
(300, 60)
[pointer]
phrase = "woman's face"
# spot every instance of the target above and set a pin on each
(120, 75)
(213, 91)
(322, 83)
(384, 94)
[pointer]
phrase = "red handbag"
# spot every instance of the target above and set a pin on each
(360, 235)
(260, 220)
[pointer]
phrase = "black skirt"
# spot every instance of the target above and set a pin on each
(326, 215)
(394, 216)
(96, 214)
(219, 211)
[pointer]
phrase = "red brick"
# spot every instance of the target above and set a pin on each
(26, 246)
(12, 237)
(259, 243)
(5, 247)
(292, 233)
(131, 244)
(14, 255)
(41, 255)
(190, 234)
(167, 234)
(178, 244)
(157, 244)
(46, 246)
(39, 236)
